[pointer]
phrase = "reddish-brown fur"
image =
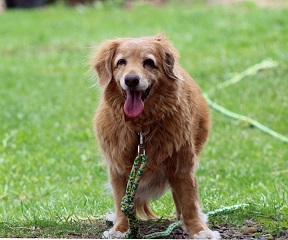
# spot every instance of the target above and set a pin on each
(175, 120)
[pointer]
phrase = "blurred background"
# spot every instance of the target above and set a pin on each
(127, 3)
(52, 179)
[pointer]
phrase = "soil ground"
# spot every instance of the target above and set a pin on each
(249, 230)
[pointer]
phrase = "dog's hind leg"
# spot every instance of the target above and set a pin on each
(177, 206)
(144, 211)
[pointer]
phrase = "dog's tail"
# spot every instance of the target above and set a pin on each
(144, 211)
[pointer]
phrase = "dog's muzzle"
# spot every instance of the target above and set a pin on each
(134, 96)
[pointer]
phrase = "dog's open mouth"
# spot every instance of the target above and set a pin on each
(134, 101)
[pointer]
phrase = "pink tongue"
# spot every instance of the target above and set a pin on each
(134, 105)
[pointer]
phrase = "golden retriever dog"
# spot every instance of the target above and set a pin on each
(146, 90)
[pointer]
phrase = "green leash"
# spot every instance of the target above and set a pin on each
(128, 204)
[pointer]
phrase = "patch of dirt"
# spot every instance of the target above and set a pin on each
(95, 228)
(249, 230)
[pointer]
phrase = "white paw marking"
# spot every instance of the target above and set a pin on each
(112, 234)
(207, 234)
(111, 217)
(204, 217)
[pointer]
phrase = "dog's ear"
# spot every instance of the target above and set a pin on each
(170, 56)
(102, 61)
(169, 65)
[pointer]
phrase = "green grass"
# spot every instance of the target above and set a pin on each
(50, 166)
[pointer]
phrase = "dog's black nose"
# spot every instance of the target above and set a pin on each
(131, 80)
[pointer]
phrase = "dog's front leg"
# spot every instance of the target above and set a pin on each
(184, 186)
(118, 183)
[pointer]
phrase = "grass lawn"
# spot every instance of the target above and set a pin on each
(52, 182)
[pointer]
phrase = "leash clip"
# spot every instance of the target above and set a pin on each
(141, 145)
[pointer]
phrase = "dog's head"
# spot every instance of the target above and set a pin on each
(137, 65)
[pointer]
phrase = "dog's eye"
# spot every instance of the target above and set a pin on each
(121, 61)
(149, 63)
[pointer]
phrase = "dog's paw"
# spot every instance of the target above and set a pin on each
(207, 234)
(113, 234)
